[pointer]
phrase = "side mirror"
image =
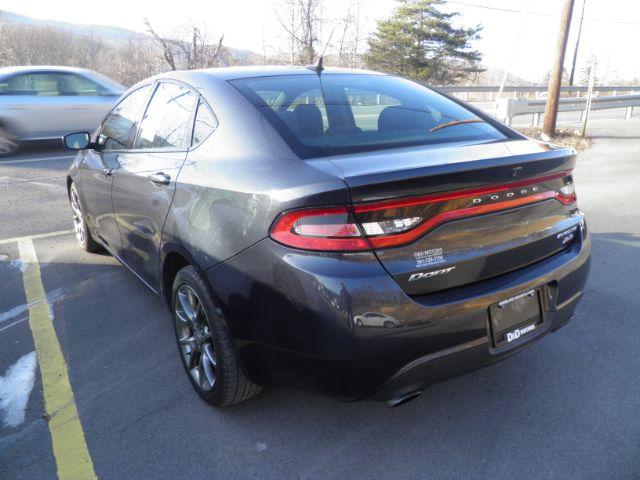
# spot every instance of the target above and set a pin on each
(77, 140)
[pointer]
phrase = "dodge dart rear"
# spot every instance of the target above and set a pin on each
(352, 233)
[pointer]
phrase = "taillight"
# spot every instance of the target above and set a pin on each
(330, 229)
(397, 222)
(567, 193)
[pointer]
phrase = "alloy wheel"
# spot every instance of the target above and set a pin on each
(194, 337)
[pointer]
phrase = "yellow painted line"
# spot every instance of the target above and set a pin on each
(67, 437)
(38, 235)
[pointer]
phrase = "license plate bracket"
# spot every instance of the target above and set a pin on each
(515, 317)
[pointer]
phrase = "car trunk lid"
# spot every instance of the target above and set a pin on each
(443, 217)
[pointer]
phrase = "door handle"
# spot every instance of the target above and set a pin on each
(159, 178)
(107, 172)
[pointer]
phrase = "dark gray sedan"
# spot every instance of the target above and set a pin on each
(274, 209)
(41, 103)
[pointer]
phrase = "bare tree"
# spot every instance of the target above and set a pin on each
(89, 50)
(135, 60)
(302, 22)
(27, 45)
(310, 23)
(350, 35)
(168, 47)
(592, 63)
(342, 43)
(356, 36)
(128, 60)
(189, 48)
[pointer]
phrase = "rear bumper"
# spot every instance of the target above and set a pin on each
(432, 368)
(297, 319)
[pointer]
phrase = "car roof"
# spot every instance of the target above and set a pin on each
(43, 68)
(199, 78)
(234, 73)
(105, 81)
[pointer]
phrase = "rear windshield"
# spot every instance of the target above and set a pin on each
(335, 114)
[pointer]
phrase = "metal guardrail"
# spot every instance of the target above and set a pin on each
(535, 88)
(512, 107)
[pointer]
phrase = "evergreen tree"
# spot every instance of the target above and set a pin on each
(419, 42)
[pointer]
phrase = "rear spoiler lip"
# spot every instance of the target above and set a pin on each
(457, 176)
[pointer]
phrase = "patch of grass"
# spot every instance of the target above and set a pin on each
(565, 137)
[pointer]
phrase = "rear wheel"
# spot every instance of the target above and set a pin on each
(205, 345)
(9, 143)
(83, 235)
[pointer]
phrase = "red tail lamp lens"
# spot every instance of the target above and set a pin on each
(401, 221)
(329, 229)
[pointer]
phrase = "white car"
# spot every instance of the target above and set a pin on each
(373, 319)
(41, 103)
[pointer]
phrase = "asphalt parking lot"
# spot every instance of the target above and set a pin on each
(565, 408)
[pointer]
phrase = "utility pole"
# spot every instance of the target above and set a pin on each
(555, 80)
(575, 51)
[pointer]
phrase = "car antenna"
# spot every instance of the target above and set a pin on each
(318, 68)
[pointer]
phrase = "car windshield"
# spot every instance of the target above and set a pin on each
(343, 113)
(111, 84)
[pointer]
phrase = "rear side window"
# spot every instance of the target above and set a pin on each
(82, 86)
(336, 113)
(204, 125)
(116, 128)
(167, 120)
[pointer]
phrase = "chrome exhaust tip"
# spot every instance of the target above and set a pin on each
(404, 398)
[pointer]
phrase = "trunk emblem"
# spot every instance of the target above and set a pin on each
(434, 273)
(500, 196)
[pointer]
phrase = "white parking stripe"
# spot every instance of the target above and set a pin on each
(33, 237)
(33, 160)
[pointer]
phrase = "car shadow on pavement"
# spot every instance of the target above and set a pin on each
(561, 408)
(569, 391)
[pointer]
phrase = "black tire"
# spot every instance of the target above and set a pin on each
(231, 383)
(83, 234)
(9, 142)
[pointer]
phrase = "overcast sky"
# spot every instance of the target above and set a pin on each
(611, 29)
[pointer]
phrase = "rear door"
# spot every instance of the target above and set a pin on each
(144, 183)
(83, 102)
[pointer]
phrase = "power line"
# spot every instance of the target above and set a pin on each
(540, 14)
(509, 10)
(575, 50)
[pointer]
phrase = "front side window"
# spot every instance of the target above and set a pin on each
(167, 120)
(344, 113)
(115, 131)
(51, 85)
